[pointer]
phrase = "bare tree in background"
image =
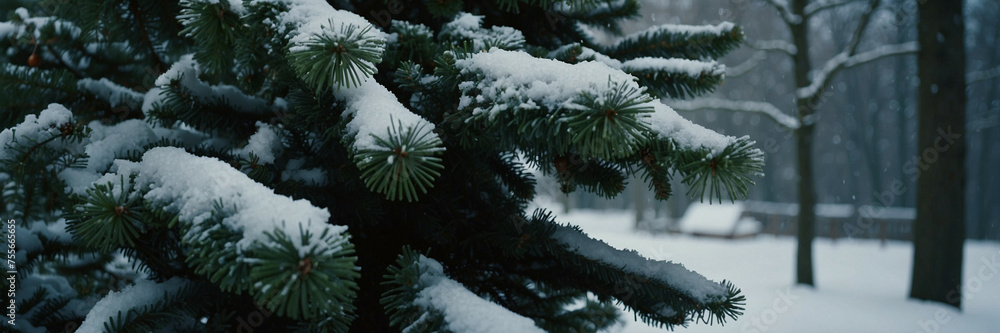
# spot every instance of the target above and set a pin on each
(939, 231)
(811, 83)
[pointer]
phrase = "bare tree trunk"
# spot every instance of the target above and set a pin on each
(804, 144)
(807, 207)
(939, 231)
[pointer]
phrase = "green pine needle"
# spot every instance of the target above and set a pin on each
(611, 126)
(346, 58)
(107, 220)
(664, 44)
(679, 85)
(215, 28)
(403, 280)
(728, 172)
(308, 286)
(404, 163)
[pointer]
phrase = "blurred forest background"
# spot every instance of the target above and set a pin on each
(865, 138)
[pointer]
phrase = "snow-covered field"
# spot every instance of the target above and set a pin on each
(862, 286)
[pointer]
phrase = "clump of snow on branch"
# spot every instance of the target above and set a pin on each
(106, 142)
(35, 129)
(294, 171)
(315, 19)
(14, 30)
(587, 53)
(516, 80)
(514, 75)
(142, 293)
(466, 26)
(673, 274)
(309, 16)
(374, 110)
(191, 186)
(54, 286)
(111, 92)
(463, 310)
(371, 107)
(265, 144)
(671, 65)
(186, 71)
(674, 65)
(669, 125)
(717, 30)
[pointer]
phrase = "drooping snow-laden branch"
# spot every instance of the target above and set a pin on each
(678, 41)
(380, 128)
(981, 75)
(232, 227)
(786, 13)
(422, 294)
(842, 61)
(499, 83)
(185, 73)
(692, 296)
(776, 45)
(26, 25)
(318, 28)
(668, 77)
(818, 6)
(462, 309)
(765, 108)
(469, 28)
(852, 44)
(746, 66)
(38, 130)
(144, 294)
(111, 92)
(393, 147)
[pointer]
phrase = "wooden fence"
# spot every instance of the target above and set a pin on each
(836, 220)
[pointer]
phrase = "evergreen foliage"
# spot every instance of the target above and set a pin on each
(196, 165)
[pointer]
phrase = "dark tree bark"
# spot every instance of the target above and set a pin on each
(939, 232)
(804, 146)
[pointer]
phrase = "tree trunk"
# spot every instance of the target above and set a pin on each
(939, 230)
(807, 206)
(804, 143)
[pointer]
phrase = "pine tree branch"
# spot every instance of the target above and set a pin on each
(765, 108)
(670, 294)
(424, 299)
(843, 61)
(35, 147)
(133, 6)
(675, 78)
(672, 41)
(58, 56)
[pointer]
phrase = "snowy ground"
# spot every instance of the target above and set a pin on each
(862, 286)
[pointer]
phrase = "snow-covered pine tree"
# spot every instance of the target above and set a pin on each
(272, 166)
